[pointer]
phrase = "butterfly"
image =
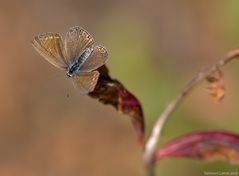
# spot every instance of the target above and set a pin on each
(77, 55)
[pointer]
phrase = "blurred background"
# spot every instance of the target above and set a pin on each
(155, 47)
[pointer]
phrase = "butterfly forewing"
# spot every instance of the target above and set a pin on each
(76, 41)
(50, 46)
(86, 82)
(97, 58)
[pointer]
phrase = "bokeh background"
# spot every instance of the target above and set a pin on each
(155, 47)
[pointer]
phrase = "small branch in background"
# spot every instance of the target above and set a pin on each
(159, 125)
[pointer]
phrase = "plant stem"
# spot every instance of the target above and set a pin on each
(170, 108)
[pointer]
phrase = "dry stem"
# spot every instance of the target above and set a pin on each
(159, 125)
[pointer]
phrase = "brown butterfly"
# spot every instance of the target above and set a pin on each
(78, 56)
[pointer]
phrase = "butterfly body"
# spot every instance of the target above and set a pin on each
(74, 68)
(78, 56)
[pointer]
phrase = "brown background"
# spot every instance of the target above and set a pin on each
(155, 47)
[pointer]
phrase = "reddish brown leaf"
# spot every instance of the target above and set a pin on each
(217, 86)
(204, 146)
(111, 91)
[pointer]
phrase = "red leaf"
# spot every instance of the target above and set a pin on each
(111, 91)
(204, 146)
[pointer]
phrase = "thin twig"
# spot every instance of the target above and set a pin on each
(159, 125)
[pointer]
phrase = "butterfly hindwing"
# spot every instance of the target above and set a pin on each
(86, 82)
(50, 46)
(97, 58)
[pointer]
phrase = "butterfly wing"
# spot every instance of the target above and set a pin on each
(86, 82)
(76, 41)
(97, 58)
(50, 46)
